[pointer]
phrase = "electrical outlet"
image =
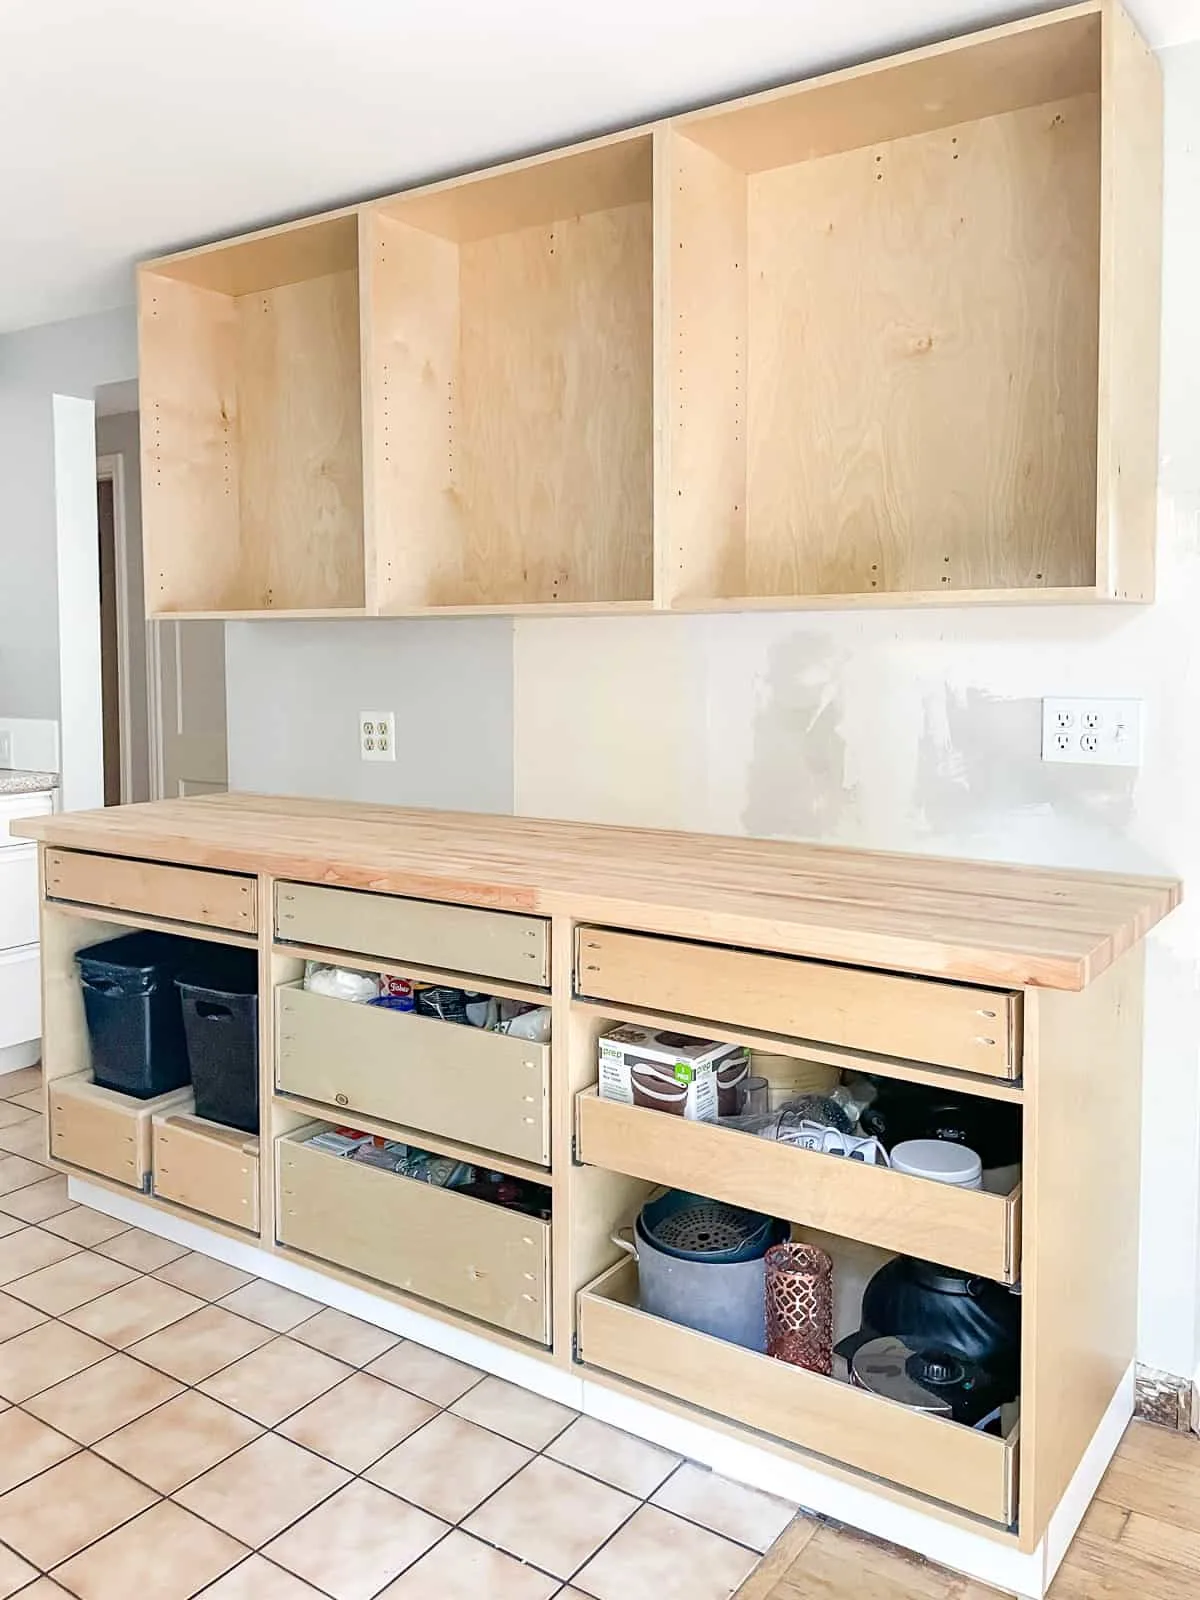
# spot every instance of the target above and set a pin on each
(377, 735)
(5, 749)
(1102, 733)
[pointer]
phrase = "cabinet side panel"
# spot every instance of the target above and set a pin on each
(1082, 1172)
(1130, 311)
(704, 523)
(187, 374)
(301, 443)
(923, 361)
(412, 317)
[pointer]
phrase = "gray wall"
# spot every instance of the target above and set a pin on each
(70, 358)
(294, 691)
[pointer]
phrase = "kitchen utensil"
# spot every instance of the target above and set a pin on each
(695, 1228)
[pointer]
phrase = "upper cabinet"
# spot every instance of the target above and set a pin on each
(887, 336)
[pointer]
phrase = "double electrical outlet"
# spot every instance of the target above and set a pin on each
(377, 735)
(1103, 733)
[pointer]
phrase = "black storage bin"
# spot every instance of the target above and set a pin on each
(220, 1019)
(133, 1015)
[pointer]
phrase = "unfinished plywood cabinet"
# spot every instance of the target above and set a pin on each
(898, 300)
(1018, 987)
(885, 336)
(510, 388)
(252, 425)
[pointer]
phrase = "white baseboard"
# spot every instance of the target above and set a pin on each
(15, 1056)
(987, 1557)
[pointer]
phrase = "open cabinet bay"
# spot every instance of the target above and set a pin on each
(885, 336)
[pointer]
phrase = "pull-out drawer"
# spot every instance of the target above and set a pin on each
(495, 944)
(460, 1252)
(208, 1168)
(179, 894)
(946, 1024)
(976, 1472)
(963, 1228)
(483, 1089)
(104, 1132)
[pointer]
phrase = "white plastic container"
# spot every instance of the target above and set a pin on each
(941, 1160)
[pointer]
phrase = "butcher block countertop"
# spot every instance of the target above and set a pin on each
(967, 920)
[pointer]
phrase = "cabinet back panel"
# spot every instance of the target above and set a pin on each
(301, 442)
(923, 358)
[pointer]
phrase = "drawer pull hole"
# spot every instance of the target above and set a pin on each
(342, 1099)
(988, 1014)
(985, 1041)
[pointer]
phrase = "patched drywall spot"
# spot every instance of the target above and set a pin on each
(980, 758)
(796, 784)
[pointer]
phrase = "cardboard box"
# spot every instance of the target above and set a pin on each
(664, 1071)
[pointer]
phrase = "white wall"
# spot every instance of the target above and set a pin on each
(920, 731)
(67, 358)
(294, 691)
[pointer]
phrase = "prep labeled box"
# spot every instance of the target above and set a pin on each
(664, 1071)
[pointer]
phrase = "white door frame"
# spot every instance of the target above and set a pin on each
(111, 469)
(154, 738)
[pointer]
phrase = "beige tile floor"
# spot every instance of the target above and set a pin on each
(171, 1427)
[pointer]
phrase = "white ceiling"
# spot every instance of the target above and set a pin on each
(141, 125)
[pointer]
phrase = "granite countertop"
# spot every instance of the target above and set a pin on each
(14, 781)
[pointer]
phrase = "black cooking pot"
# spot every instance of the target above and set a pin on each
(938, 1307)
(901, 1111)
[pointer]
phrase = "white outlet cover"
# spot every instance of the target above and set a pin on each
(1094, 733)
(377, 735)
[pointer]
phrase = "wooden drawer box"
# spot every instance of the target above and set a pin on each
(946, 1024)
(463, 1253)
(207, 1167)
(104, 1132)
(484, 1089)
(976, 1472)
(964, 1228)
(495, 944)
(179, 894)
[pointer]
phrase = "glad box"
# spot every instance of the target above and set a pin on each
(664, 1071)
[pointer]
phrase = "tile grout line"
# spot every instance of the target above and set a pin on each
(141, 1275)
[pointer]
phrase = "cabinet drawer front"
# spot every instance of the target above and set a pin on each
(179, 894)
(18, 897)
(484, 1089)
(20, 996)
(209, 1169)
(463, 1253)
(13, 808)
(975, 1472)
(963, 1228)
(495, 944)
(103, 1132)
(946, 1024)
